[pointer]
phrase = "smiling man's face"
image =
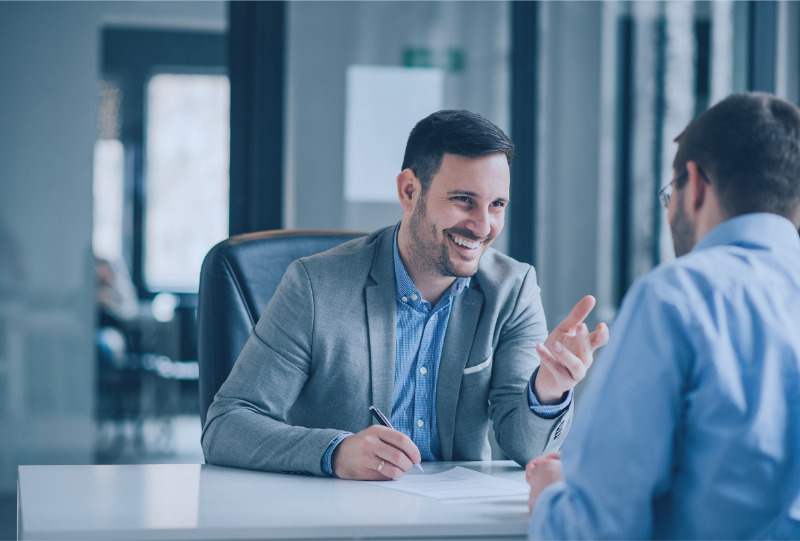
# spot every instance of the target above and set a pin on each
(460, 215)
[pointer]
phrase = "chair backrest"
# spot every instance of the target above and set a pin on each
(237, 280)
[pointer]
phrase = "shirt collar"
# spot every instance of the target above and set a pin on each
(755, 230)
(406, 287)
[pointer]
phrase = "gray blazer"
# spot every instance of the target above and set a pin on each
(323, 351)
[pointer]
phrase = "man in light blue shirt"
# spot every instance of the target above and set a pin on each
(690, 426)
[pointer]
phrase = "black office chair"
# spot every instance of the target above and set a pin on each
(237, 280)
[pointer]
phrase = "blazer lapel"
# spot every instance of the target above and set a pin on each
(458, 340)
(381, 321)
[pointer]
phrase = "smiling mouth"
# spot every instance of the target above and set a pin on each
(461, 241)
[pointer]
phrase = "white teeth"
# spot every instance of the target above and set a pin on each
(465, 242)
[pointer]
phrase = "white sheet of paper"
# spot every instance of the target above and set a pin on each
(457, 484)
(383, 104)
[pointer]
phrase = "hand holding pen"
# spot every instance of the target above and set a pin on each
(377, 453)
(382, 419)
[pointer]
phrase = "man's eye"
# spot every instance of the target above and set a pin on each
(461, 198)
(499, 204)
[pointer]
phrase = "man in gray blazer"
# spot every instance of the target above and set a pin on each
(422, 320)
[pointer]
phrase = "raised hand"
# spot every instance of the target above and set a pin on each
(376, 453)
(568, 353)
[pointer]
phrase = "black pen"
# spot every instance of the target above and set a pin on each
(382, 419)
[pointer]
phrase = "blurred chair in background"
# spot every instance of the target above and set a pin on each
(143, 372)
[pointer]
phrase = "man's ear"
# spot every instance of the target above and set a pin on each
(408, 189)
(695, 188)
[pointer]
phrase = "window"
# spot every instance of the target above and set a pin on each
(162, 161)
(186, 176)
(108, 203)
(108, 176)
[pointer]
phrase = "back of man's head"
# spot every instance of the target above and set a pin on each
(452, 132)
(749, 144)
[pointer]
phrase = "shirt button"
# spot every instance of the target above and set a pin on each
(420, 423)
(423, 370)
(414, 297)
(405, 299)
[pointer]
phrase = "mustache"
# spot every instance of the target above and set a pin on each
(465, 233)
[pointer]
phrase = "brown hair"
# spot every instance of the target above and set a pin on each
(453, 132)
(749, 144)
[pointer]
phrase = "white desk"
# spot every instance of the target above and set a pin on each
(193, 501)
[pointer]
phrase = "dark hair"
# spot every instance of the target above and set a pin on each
(453, 132)
(750, 146)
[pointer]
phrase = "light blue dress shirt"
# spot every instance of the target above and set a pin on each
(419, 337)
(690, 424)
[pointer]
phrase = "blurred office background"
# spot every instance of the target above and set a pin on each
(136, 135)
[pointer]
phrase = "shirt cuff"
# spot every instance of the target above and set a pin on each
(327, 467)
(549, 411)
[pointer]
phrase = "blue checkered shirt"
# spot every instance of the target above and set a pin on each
(419, 339)
(418, 344)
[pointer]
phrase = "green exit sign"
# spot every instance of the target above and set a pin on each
(450, 60)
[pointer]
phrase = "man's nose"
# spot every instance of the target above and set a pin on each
(480, 223)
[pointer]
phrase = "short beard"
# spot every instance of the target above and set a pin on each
(435, 259)
(682, 231)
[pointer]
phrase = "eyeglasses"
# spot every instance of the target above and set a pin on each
(666, 192)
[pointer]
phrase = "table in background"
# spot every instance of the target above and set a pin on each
(194, 501)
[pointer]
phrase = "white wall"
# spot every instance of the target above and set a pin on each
(49, 65)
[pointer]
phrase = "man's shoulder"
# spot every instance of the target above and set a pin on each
(499, 265)
(669, 280)
(498, 271)
(350, 255)
(710, 268)
(693, 279)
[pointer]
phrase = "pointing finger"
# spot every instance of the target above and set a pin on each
(578, 313)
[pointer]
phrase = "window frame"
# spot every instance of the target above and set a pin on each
(130, 58)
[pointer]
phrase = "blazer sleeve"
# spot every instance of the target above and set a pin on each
(520, 433)
(247, 422)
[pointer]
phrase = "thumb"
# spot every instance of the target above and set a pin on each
(599, 337)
